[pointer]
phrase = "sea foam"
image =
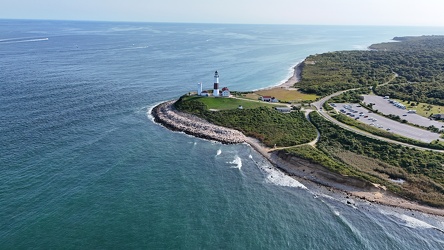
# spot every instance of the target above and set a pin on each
(23, 40)
(409, 221)
(279, 178)
(237, 162)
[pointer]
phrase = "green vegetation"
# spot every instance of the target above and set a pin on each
(314, 155)
(284, 95)
(352, 96)
(264, 123)
(226, 103)
(350, 164)
(423, 109)
(418, 62)
(423, 171)
(426, 92)
(328, 73)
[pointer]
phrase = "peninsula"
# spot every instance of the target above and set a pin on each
(304, 135)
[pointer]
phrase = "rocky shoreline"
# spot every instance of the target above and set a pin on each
(167, 115)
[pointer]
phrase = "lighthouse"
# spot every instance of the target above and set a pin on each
(199, 88)
(216, 84)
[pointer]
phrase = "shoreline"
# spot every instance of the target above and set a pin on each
(167, 115)
(302, 170)
(294, 78)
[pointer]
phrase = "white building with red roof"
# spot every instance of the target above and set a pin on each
(225, 92)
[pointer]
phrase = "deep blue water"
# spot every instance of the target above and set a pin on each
(83, 165)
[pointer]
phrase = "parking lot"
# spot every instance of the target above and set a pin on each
(365, 116)
(384, 106)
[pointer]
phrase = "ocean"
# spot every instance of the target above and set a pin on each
(83, 165)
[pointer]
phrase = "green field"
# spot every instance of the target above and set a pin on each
(283, 94)
(221, 103)
(423, 109)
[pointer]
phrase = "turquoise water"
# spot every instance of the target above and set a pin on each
(84, 167)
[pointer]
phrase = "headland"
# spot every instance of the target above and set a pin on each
(370, 162)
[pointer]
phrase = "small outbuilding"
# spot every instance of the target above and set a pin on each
(283, 109)
(265, 98)
(268, 99)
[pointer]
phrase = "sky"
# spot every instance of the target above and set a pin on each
(312, 12)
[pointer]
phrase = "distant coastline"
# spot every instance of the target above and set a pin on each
(349, 187)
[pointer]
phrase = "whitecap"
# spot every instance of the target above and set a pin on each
(150, 109)
(413, 222)
(409, 221)
(279, 178)
(3, 41)
(237, 162)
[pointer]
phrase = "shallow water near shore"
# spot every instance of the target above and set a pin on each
(84, 166)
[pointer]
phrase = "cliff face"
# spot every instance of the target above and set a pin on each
(319, 174)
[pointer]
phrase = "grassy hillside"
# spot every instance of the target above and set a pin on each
(423, 171)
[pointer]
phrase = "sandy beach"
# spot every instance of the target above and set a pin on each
(302, 170)
(296, 77)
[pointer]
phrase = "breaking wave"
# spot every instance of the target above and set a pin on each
(22, 40)
(237, 162)
(279, 178)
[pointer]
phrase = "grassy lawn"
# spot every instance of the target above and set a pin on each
(424, 109)
(221, 103)
(283, 94)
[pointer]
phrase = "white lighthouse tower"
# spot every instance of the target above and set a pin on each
(216, 84)
(199, 88)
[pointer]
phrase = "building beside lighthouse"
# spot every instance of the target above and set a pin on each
(225, 92)
(216, 84)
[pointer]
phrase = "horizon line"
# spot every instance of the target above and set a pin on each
(218, 23)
